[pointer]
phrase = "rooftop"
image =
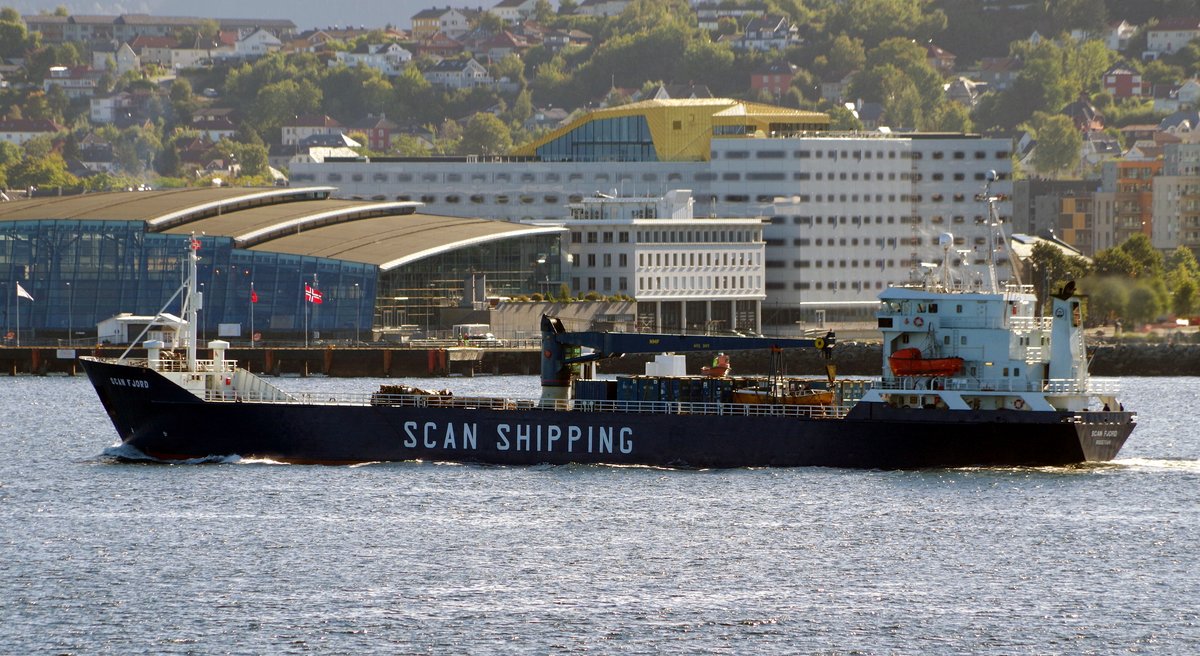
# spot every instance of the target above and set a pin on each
(297, 221)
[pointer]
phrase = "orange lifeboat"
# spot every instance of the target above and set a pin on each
(909, 362)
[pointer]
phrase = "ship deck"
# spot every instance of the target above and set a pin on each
(551, 405)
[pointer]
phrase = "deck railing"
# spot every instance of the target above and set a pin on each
(1097, 386)
(577, 405)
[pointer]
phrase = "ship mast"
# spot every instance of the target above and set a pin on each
(995, 229)
(192, 302)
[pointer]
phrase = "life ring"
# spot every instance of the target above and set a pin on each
(1019, 403)
(819, 343)
(918, 322)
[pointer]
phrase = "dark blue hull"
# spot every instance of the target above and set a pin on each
(158, 418)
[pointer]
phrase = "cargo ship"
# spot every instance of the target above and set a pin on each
(972, 375)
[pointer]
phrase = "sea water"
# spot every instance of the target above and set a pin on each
(101, 556)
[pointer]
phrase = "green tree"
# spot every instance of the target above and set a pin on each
(10, 155)
(843, 57)
(14, 38)
(949, 116)
(1183, 256)
(43, 172)
(543, 12)
(1107, 298)
(1141, 251)
(843, 120)
(521, 109)
(510, 67)
(1058, 143)
(1115, 262)
(407, 145)
(1143, 306)
(875, 21)
(1052, 269)
(490, 22)
(1183, 299)
(485, 135)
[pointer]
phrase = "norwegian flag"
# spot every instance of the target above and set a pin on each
(195, 244)
(312, 294)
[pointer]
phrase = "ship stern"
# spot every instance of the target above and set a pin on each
(1102, 434)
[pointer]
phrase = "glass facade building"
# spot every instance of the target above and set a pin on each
(82, 272)
(412, 294)
(621, 139)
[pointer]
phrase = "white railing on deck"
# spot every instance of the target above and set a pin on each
(1106, 386)
(578, 405)
(179, 365)
(1030, 323)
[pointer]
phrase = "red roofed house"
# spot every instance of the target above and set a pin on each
(940, 60)
(776, 78)
(502, 45)
(1122, 82)
(18, 131)
(154, 49)
(378, 130)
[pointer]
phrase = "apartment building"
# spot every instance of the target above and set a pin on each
(847, 214)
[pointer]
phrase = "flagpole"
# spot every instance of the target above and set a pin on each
(306, 304)
(18, 320)
(251, 314)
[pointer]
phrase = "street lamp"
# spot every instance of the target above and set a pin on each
(357, 312)
(198, 310)
(70, 312)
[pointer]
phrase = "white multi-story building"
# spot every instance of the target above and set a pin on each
(848, 214)
(684, 272)
(1176, 198)
(389, 59)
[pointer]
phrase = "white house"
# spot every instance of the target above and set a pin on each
(451, 22)
(513, 11)
(387, 58)
(75, 82)
(18, 131)
(302, 127)
(768, 33)
(458, 74)
(256, 44)
(107, 109)
(1171, 34)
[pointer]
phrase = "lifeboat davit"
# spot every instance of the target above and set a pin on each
(909, 362)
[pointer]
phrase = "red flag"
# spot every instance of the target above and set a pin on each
(195, 244)
(253, 295)
(312, 294)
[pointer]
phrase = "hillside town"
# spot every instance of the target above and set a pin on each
(1088, 124)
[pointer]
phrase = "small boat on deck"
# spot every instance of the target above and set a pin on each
(910, 362)
(719, 369)
(787, 392)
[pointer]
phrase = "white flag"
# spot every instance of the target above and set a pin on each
(22, 293)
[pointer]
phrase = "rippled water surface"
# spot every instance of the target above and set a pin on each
(99, 556)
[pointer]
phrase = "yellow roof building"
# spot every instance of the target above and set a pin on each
(668, 130)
